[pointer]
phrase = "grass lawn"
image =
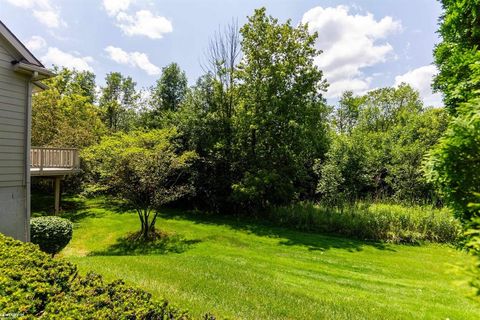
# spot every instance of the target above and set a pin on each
(243, 270)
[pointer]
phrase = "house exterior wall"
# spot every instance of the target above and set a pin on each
(15, 96)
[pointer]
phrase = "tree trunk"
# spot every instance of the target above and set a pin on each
(145, 232)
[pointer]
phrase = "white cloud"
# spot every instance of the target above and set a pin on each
(35, 43)
(118, 55)
(357, 85)
(135, 59)
(25, 4)
(113, 7)
(350, 42)
(50, 18)
(42, 10)
(58, 57)
(144, 23)
(421, 79)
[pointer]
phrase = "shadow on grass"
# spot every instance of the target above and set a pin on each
(74, 209)
(76, 216)
(43, 204)
(287, 237)
(116, 205)
(316, 242)
(125, 246)
(78, 210)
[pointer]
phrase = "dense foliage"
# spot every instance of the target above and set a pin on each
(473, 237)
(454, 165)
(455, 162)
(264, 134)
(281, 114)
(381, 222)
(118, 102)
(145, 168)
(254, 132)
(165, 98)
(258, 122)
(64, 115)
(379, 143)
(257, 125)
(170, 89)
(50, 233)
(458, 54)
(33, 285)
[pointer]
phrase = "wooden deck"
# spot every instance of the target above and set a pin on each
(51, 162)
(54, 163)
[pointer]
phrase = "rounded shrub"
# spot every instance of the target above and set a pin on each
(51, 234)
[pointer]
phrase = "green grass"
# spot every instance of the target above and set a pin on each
(248, 270)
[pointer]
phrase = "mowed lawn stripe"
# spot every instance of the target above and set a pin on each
(246, 271)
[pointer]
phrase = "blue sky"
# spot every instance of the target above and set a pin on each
(366, 44)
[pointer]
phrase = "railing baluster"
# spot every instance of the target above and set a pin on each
(44, 157)
(41, 160)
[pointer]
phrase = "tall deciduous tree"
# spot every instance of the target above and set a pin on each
(70, 82)
(223, 55)
(118, 102)
(170, 89)
(347, 112)
(458, 54)
(208, 130)
(280, 121)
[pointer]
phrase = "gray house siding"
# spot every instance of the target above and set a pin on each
(14, 144)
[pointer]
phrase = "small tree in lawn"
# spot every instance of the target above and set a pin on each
(143, 168)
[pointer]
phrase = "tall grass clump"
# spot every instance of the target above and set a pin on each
(373, 221)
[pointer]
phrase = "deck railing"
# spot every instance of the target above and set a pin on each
(61, 158)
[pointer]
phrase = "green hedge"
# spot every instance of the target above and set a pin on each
(51, 233)
(34, 285)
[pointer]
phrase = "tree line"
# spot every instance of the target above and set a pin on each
(255, 130)
(258, 123)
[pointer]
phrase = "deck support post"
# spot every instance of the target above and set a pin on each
(57, 194)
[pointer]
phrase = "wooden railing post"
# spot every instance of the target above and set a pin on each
(41, 160)
(57, 194)
(76, 159)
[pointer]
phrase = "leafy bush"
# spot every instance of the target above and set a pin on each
(33, 285)
(384, 222)
(144, 168)
(51, 234)
(454, 165)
